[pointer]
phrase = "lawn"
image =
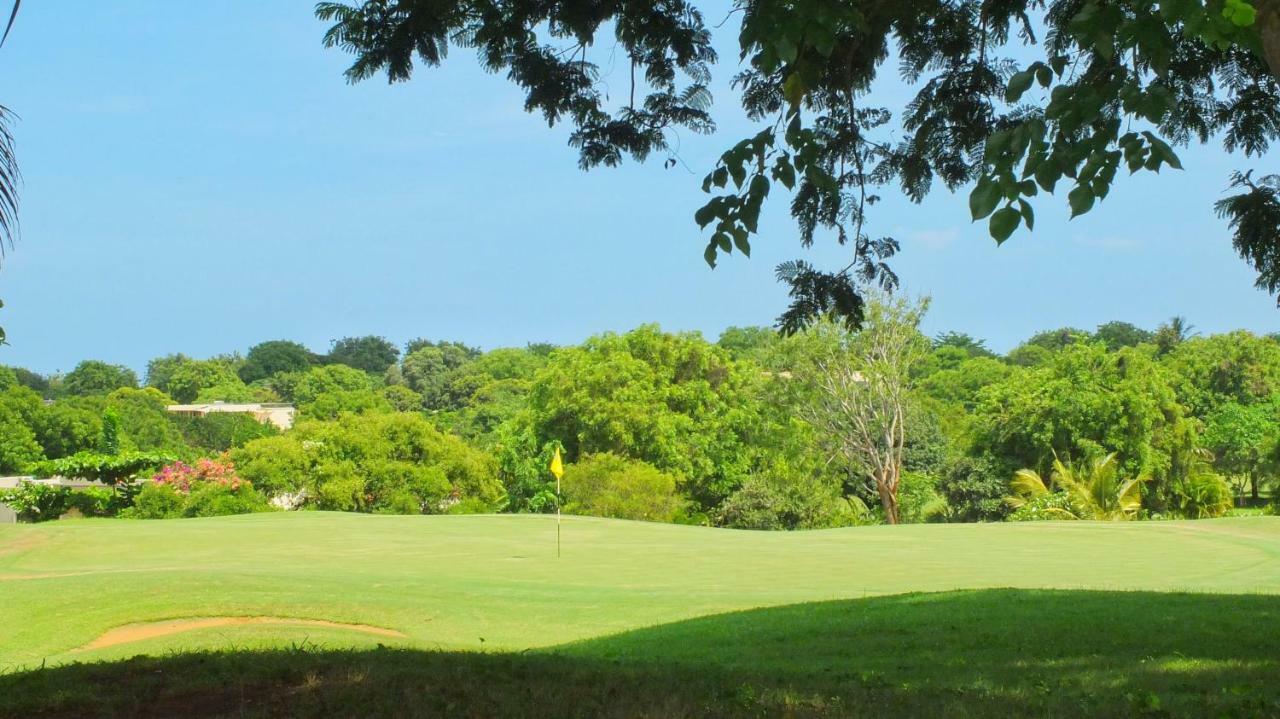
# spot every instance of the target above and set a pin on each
(638, 619)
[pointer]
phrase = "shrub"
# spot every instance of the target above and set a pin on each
(469, 506)
(96, 502)
(919, 500)
(275, 465)
(757, 504)
(1051, 506)
(35, 501)
(773, 503)
(974, 490)
(606, 485)
(210, 488)
(1201, 495)
(211, 499)
(156, 501)
(113, 469)
(222, 431)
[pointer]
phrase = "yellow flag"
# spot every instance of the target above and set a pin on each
(557, 467)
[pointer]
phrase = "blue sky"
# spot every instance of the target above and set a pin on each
(200, 178)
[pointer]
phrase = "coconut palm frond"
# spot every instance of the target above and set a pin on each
(10, 180)
(1130, 495)
(1027, 484)
(13, 15)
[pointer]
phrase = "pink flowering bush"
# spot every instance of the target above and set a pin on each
(208, 488)
(183, 477)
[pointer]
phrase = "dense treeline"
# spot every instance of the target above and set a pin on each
(823, 428)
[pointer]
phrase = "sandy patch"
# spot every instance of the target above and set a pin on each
(150, 630)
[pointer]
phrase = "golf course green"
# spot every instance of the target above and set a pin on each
(1177, 617)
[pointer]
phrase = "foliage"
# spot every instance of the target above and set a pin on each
(36, 501)
(767, 502)
(1254, 217)
(1049, 506)
(304, 387)
(1241, 437)
(1085, 402)
(371, 462)
(276, 464)
(1095, 491)
(64, 428)
(971, 346)
(1235, 367)
(110, 442)
(1202, 495)
(19, 448)
(1111, 86)
(401, 398)
(331, 405)
(369, 353)
(160, 501)
(856, 389)
(974, 489)
(270, 358)
(92, 377)
(1116, 335)
(426, 369)
(920, 500)
(185, 379)
(673, 401)
(145, 424)
(111, 469)
(606, 485)
(31, 380)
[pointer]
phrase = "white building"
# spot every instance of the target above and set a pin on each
(281, 415)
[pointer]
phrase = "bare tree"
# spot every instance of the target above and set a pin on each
(858, 389)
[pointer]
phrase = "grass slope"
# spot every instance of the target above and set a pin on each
(641, 619)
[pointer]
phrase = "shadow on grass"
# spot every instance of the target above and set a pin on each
(971, 653)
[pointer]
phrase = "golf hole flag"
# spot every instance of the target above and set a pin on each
(557, 468)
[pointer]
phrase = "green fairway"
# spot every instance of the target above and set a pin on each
(621, 594)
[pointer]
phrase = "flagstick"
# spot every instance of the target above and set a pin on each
(557, 517)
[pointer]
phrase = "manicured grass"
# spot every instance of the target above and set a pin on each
(644, 619)
(972, 653)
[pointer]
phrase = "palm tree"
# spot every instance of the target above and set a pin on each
(1173, 333)
(10, 178)
(1095, 492)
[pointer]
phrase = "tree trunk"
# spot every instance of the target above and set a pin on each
(1267, 23)
(1253, 486)
(888, 498)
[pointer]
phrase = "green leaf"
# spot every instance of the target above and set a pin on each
(706, 213)
(759, 187)
(1028, 215)
(710, 254)
(984, 198)
(1027, 187)
(1018, 84)
(1003, 223)
(785, 173)
(1081, 200)
(1044, 74)
(1047, 174)
(740, 240)
(721, 239)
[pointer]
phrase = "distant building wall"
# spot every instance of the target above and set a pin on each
(281, 415)
(7, 515)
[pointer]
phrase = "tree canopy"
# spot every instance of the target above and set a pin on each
(1011, 97)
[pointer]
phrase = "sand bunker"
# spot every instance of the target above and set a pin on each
(150, 630)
